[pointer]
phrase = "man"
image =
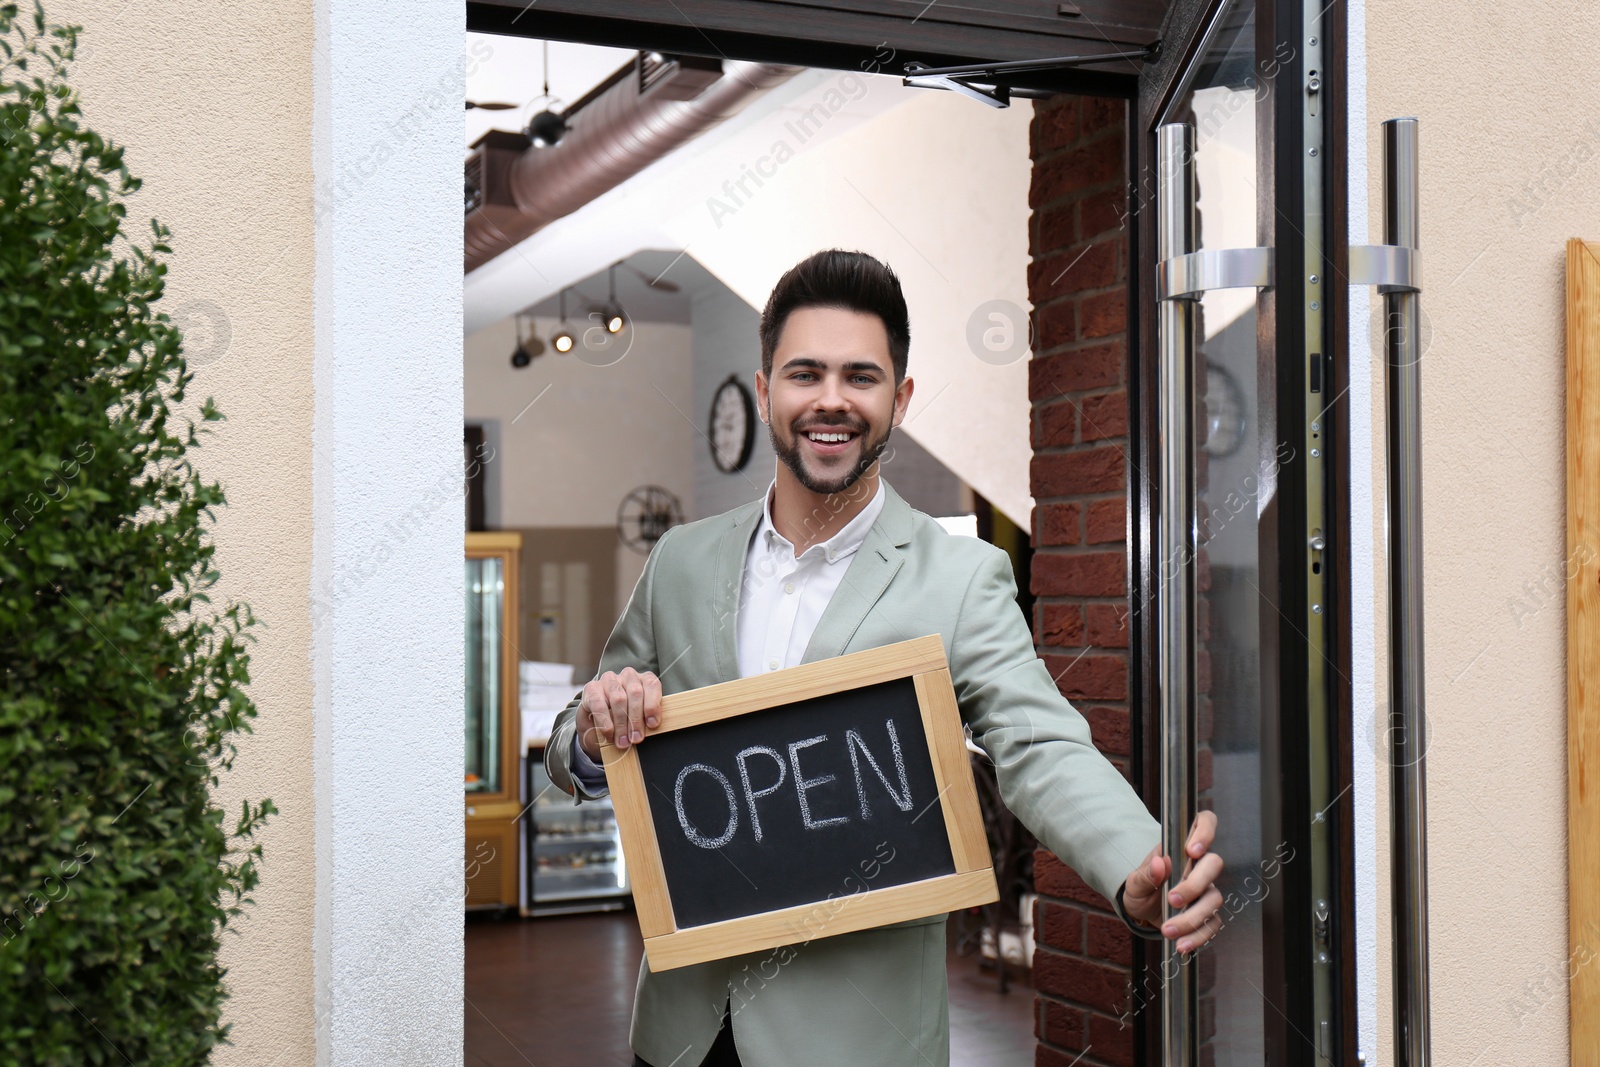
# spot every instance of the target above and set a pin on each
(833, 561)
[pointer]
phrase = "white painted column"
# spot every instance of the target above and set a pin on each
(387, 570)
(1370, 721)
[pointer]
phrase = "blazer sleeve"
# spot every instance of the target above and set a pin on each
(632, 644)
(1050, 774)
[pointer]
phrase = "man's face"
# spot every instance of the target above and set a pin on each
(832, 399)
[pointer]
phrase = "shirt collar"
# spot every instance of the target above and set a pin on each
(842, 544)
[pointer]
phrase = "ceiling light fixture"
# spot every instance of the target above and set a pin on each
(547, 127)
(612, 314)
(563, 341)
(527, 347)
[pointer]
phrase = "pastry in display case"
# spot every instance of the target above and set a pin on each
(574, 854)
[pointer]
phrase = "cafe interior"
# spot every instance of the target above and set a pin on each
(626, 214)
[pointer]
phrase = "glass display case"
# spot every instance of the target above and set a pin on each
(485, 599)
(493, 720)
(574, 856)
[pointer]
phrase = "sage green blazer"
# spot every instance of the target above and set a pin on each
(875, 998)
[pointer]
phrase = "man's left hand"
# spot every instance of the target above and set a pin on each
(1200, 921)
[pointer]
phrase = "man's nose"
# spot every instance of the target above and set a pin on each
(832, 397)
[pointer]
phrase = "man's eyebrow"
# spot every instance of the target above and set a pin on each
(805, 362)
(810, 363)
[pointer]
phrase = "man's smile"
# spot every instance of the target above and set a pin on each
(829, 440)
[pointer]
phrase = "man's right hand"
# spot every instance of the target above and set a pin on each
(618, 708)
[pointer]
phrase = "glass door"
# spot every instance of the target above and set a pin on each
(1236, 570)
(1216, 154)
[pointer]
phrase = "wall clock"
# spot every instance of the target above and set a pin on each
(733, 420)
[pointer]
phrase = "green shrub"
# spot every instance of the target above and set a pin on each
(122, 686)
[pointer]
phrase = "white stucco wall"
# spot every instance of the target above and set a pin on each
(388, 635)
(1366, 567)
(1509, 143)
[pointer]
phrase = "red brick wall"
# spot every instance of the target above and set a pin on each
(1078, 283)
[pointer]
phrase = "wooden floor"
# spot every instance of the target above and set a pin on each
(558, 992)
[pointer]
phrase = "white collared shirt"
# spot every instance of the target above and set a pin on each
(782, 596)
(781, 599)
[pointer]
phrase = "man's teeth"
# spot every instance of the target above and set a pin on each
(829, 438)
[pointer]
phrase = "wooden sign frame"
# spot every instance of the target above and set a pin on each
(973, 883)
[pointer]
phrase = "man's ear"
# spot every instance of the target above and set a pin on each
(902, 400)
(763, 405)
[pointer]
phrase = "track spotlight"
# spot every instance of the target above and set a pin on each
(527, 347)
(612, 314)
(563, 340)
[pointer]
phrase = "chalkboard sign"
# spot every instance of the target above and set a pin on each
(830, 797)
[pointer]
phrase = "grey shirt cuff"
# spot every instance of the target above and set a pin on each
(587, 775)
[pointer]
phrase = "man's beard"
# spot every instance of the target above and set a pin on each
(791, 458)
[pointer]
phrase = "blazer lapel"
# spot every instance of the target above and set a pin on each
(731, 553)
(871, 569)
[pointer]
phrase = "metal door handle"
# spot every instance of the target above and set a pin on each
(1407, 777)
(1190, 274)
(1392, 268)
(1175, 238)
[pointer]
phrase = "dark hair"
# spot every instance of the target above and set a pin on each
(853, 281)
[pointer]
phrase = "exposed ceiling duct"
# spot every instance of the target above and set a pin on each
(640, 114)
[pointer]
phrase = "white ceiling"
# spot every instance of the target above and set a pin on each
(511, 70)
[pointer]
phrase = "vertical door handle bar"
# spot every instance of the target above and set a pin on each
(1408, 740)
(1183, 275)
(1175, 562)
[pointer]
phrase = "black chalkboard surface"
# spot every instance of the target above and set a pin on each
(809, 802)
(796, 803)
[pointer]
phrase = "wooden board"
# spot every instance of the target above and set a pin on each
(1583, 643)
(739, 890)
